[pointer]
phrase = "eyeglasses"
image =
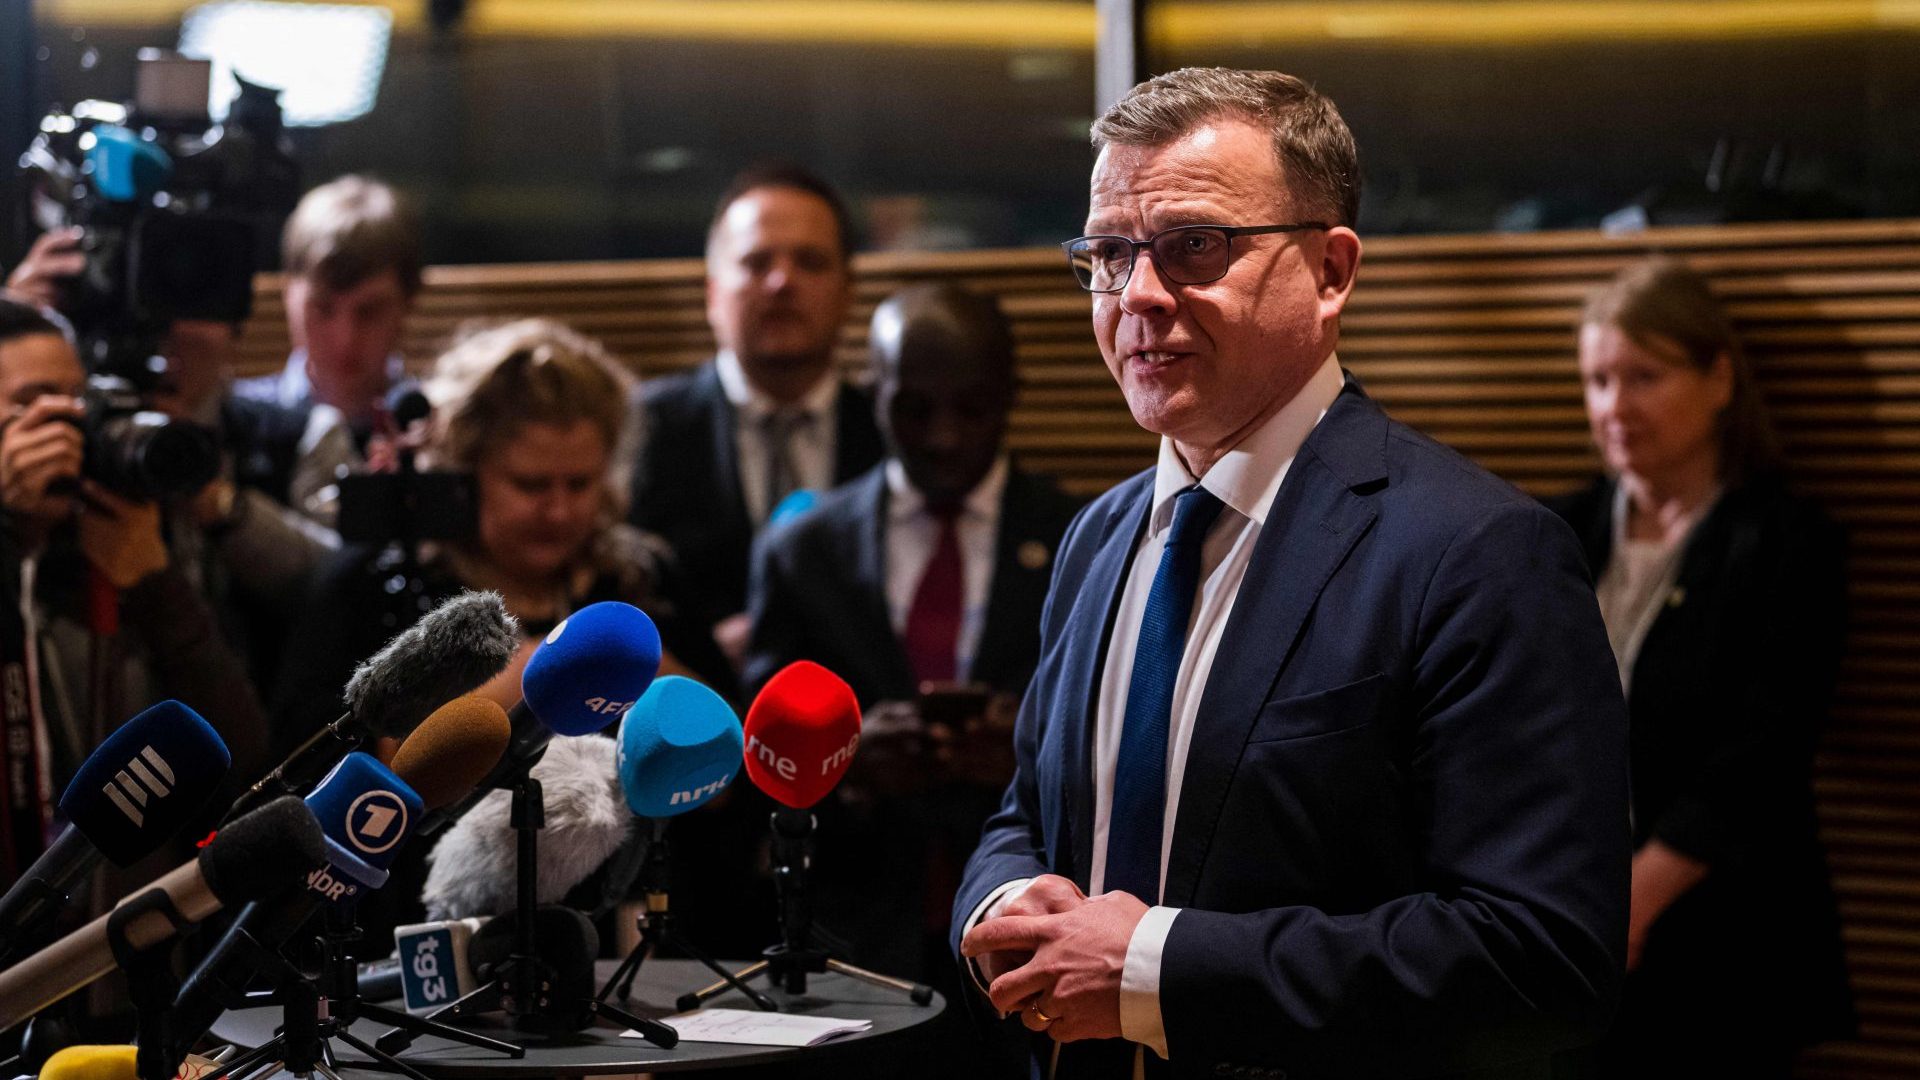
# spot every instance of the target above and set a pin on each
(1189, 255)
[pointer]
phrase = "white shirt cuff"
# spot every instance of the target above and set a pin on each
(1140, 1019)
(990, 908)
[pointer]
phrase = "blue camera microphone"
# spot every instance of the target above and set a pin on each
(797, 502)
(138, 788)
(680, 745)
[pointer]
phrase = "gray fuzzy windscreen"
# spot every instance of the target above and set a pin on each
(471, 869)
(452, 650)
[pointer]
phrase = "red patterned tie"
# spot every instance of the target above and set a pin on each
(933, 621)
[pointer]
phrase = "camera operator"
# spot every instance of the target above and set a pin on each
(98, 620)
(239, 540)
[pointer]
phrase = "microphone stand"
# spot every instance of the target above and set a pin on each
(314, 1013)
(522, 984)
(657, 928)
(151, 982)
(788, 963)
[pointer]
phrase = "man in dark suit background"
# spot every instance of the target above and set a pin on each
(767, 416)
(1332, 700)
(920, 583)
(930, 568)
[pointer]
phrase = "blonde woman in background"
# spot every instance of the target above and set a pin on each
(1724, 598)
(538, 415)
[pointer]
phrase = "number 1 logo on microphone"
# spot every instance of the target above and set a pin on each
(376, 821)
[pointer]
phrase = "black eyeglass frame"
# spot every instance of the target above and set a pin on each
(1133, 255)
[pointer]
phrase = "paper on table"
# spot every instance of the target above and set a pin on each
(749, 1027)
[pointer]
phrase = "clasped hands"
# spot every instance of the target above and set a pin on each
(1055, 955)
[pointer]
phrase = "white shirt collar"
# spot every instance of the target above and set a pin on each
(295, 387)
(752, 402)
(905, 502)
(1248, 477)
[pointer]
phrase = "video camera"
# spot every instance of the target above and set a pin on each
(176, 215)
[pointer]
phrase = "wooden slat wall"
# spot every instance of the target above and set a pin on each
(1471, 338)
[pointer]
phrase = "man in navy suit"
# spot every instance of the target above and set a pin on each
(1322, 772)
(725, 443)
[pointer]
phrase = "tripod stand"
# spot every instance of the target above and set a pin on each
(657, 928)
(523, 984)
(788, 963)
(316, 1013)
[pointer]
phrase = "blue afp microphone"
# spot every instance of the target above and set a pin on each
(680, 745)
(591, 667)
(138, 788)
(585, 673)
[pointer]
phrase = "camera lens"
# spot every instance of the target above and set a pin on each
(148, 455)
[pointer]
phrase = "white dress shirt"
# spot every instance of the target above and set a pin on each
(811, 452)
(912, 535)
(1247, 480)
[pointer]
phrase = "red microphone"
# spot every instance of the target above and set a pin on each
(801, 733)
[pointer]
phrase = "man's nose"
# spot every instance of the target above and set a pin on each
(944, 432)
(1146, 291)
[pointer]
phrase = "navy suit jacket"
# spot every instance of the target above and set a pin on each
(686, 487)
(1401, 845)
(820, 590)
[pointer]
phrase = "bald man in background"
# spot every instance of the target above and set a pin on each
(921, 583)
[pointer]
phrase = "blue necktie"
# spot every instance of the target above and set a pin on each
(1139, 812)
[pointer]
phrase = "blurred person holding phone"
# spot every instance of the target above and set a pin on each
(921, 583)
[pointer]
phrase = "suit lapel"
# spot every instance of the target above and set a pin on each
(721, 423)
(1316, 520)
(856, 438)
(870, 583)
(1008, 578)
(1089, 628)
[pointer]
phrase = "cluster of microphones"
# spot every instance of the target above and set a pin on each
(482, 784)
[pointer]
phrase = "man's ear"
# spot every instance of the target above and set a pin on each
(1339, 266)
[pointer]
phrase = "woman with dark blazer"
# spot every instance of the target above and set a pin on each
(1724, 598)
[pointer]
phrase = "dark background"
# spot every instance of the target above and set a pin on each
(607, 145)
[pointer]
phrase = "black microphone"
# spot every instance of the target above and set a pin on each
(261, 855)
(407, 403)
(365, 813)
(452, 649)
(130, 794)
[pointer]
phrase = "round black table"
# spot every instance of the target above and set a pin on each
(601, 1051)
